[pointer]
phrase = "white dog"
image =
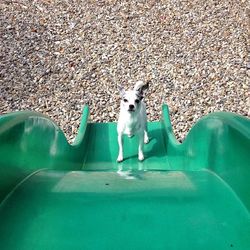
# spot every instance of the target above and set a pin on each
(133, 118)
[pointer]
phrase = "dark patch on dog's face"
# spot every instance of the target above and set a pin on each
(139, 96)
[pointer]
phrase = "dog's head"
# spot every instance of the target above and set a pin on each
(131, 99)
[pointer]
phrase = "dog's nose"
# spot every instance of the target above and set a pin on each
(131, 106)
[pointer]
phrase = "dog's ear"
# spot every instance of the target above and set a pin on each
(140, 86)
(145, 87)
(121, 90)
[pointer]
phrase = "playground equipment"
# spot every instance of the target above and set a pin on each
(190, 195)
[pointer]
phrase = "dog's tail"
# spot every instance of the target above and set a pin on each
(141, 86)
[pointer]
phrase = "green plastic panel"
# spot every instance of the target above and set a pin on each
(190, 195)
(136, 210)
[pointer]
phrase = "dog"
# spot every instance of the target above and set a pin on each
(133, 118)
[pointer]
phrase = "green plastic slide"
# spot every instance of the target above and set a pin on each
(190, 195)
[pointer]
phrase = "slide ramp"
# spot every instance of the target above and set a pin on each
(131, 210)
(56, 195)
(102, 145)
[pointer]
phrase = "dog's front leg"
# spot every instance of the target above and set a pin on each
(120, 143)
(141, 145)
(146, 138)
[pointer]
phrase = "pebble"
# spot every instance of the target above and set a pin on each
(56, 57)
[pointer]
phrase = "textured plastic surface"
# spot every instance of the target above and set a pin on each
(60, 196)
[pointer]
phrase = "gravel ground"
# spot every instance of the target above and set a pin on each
(57, 55)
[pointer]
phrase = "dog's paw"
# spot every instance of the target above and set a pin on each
(146, 138)
(140, 157)
(120, 158)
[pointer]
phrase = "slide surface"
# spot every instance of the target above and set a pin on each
(56, 195)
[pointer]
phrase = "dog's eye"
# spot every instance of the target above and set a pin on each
(137, 101)
(125, 100)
